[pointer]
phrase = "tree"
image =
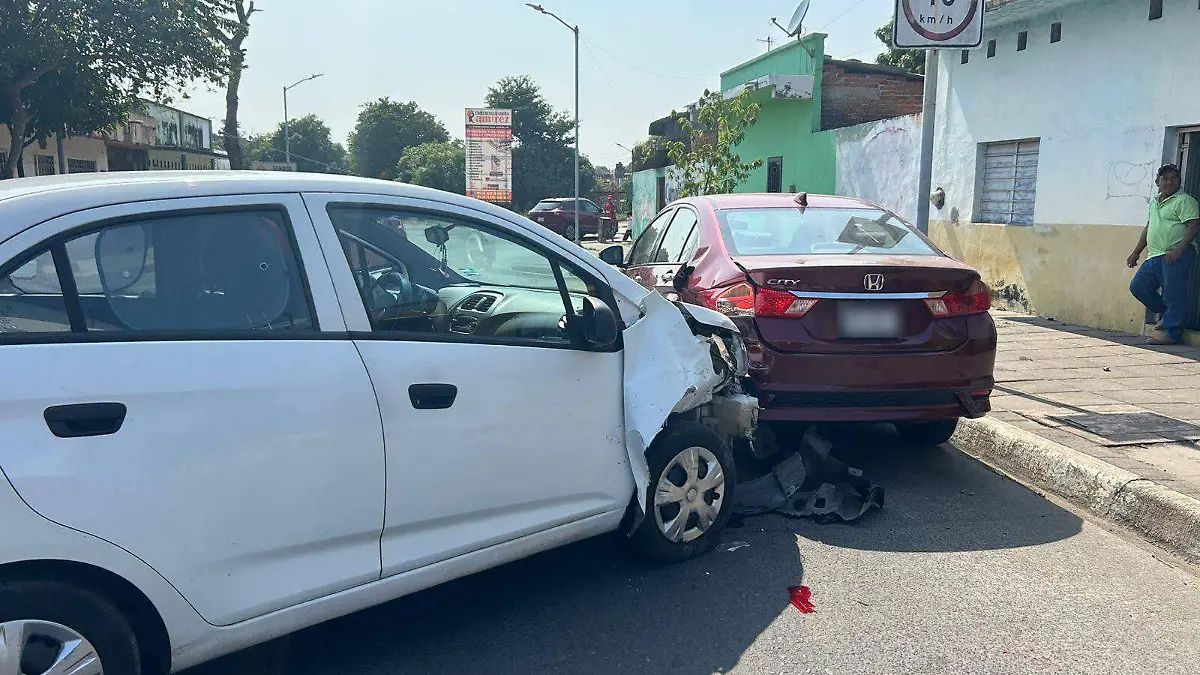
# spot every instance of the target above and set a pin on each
(313, 148)
(237, 63)
(533, 118)
(912, 60)
(441, 165)
(384, 129)
(707, 161)
(111, 50)
(543, 154)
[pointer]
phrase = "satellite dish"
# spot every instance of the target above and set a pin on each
(797, 21)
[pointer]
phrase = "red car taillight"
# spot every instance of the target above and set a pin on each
(976, 300)
(743, 300)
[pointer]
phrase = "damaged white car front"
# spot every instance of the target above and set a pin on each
(685, 413)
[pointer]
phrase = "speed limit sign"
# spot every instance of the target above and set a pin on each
(938, 24)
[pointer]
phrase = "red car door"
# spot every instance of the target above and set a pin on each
(641, 256)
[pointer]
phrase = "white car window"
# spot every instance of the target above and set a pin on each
(31, 300)
(433, 274)
(194, 271)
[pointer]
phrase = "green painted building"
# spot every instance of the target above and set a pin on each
(786, 83)
(805, 97)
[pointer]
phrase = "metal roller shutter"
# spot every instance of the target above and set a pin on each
(1009, 182)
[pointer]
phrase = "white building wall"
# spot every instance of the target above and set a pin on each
(1102, 101)
(75, 147)
(879, 162)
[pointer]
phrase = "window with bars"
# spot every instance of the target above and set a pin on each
(81, 165)
(1008, 186)
(44, 165)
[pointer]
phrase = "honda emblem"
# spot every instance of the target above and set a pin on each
(873, 282)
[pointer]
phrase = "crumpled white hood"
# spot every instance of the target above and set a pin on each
(668, 369)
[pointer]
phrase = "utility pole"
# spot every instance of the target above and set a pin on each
(928, 111)
(575, 30)
(770, 41)
(287, 129)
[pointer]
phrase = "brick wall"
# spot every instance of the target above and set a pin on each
(854, 93)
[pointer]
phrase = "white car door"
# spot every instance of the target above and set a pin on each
(497, 425)
(175, 385)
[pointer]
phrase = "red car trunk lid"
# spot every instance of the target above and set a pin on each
(865, 303)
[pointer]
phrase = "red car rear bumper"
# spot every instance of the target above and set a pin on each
(877, 387)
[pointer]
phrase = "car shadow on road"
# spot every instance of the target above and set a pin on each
(594, 608)
(591, 607)
(937, 500)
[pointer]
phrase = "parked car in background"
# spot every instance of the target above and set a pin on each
(239, 404)
(558, 215)
(849, 313)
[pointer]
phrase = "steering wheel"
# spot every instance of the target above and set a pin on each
(394, 297)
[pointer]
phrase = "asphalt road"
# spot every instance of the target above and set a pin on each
(962, 571)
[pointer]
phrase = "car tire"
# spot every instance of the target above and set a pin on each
(927, 433)
(668, 457)
(569, 233)
(50, 609)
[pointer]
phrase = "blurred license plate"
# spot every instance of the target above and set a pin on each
(861, 320)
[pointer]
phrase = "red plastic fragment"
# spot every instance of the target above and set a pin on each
(801, 598)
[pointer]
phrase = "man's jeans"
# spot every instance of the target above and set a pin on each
(1173, 280)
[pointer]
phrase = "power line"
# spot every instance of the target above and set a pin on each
(839, 16)
(601, 70)
(636, 67)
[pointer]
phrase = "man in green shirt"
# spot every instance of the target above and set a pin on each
(1170, 235)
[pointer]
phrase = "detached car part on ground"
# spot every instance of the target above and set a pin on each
(239, 404)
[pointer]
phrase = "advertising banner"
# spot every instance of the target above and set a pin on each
(489, 154)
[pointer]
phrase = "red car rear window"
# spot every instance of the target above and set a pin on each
(813, 231)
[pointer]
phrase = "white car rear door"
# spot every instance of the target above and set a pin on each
(497, 427)
(176, 384)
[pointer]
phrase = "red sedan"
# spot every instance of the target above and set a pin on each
(849, 313)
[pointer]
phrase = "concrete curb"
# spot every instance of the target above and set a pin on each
(1161, 515)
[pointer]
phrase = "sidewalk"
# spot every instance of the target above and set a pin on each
(1088, 395)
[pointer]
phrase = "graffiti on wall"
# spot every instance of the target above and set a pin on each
(880, 161)
(1127, 180)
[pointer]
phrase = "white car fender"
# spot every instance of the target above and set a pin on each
(668, 368)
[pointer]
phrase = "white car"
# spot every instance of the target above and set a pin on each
(238, 404)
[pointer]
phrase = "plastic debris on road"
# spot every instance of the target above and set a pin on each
(733, 546)
(810, 483)
(801, 598)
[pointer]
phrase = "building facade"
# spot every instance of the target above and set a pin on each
(1047, 141)
(807, 101)
(157, 138)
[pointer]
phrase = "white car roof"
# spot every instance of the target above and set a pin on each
(25, 202)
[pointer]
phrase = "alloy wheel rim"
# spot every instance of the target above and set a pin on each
(689, 494)
(34, 647)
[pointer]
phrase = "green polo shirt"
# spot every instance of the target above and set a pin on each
(1167, 222)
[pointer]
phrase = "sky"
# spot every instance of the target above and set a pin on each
(639, 59)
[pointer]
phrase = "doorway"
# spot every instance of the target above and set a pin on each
(775, 174)
(1189, 165)
(660, 189)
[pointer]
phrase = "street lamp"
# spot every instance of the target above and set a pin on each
(575, 30)
(287, 129)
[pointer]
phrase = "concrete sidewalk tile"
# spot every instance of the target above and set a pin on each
(1103, 385)
(1083, 373)
(1047, 386)
(1084, 399)
(1132, 395)
(1147, 383)
(1181, 411)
